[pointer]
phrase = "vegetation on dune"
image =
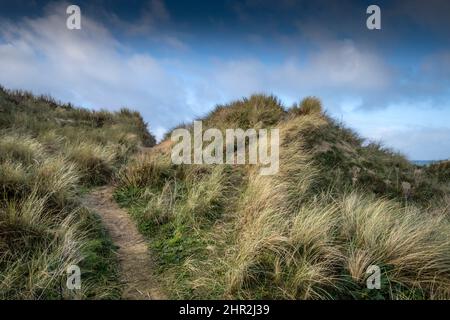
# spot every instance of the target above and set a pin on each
(349, 163)
(337, 206)
(50, 153)
(440, 170)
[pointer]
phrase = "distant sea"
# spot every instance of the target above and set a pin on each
(423, 162)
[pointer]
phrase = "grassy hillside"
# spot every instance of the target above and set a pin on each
(50, 154)
(337, 206)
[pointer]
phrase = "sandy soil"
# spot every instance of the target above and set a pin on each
(136, 265)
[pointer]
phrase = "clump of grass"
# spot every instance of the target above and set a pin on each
(94, 161)
(51, 141)
(13, 177)
(309, 105)
(258, 111)
(314, 256)
(411, 247)
(57, 178)
(145, 171)
(160, 209)
(20, 148)
(42, 247)
(205, 196)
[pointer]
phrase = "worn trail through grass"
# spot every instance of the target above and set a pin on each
(136, 264)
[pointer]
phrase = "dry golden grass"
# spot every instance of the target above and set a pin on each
(145, 170)
(49, 153)
(293, 245)
(281, 237)
(304, 233)
(94, 161)
(39, 248)
(22, 149)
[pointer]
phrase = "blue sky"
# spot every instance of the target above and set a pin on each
(175, 60)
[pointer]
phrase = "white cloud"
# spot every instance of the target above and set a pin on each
(87, 66)
(93, 68)
(417, 130)
(420, 143)
(337, 68)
